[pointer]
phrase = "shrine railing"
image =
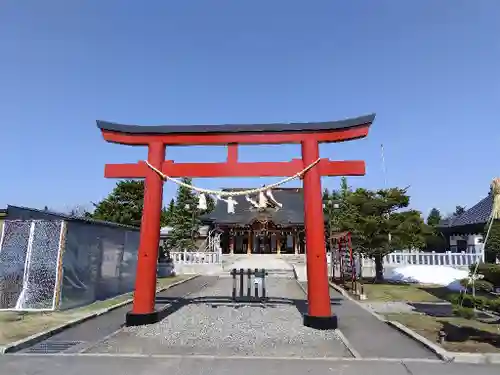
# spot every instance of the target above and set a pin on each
(402, 258)
(198, 257)
(434, 259)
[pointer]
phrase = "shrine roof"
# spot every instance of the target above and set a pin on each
(476, 215)
(292, 212)
(237, 128)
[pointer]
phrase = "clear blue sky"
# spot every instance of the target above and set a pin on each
(429, 69)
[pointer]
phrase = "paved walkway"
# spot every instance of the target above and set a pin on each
(190, 365)
(370, 337)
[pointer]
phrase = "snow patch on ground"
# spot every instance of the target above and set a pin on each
(426, 274)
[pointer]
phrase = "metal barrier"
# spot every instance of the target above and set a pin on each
(255, 277)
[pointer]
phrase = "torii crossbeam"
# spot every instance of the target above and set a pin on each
(309, 135)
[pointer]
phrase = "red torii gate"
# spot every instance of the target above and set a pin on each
(309, 135)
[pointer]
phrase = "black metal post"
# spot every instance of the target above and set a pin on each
(233, 273)
(256, 283)
(241, 282)
(263, 283)
(249, 283)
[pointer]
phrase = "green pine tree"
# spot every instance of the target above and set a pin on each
(210, 203)
(169, 212)
(185, 220)
(370, 216)
(123, 205)
(434, 241)
(434, 217)
(345, 189)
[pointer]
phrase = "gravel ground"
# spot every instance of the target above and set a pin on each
(204, 328)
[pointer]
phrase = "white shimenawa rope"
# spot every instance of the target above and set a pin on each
(220, 193)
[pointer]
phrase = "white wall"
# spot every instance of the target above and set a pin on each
(472, 239)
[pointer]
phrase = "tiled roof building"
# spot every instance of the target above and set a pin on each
(252, 230)
(472, 220)
(465, 232)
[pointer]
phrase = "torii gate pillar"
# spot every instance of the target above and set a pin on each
(309, 135)
(320, 311)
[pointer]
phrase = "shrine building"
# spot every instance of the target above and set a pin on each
(275, 226)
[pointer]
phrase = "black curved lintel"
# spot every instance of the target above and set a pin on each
(233, 128)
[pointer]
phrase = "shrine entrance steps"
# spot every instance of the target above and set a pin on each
(275, 265)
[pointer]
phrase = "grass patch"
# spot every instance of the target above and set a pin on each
(389, 292)
(463, 335)
(15, 326)
(441, 292)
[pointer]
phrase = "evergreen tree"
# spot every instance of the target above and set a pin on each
(434, 218)
(326, 197)
(329, 202)
(185, 220)
(123, 205)
(434, 241)
(345, 189)
(210, 204)
(169, 212)
(371, 216)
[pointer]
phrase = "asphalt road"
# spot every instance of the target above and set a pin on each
(189, 365)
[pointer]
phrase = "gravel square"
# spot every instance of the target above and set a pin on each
(204, 327)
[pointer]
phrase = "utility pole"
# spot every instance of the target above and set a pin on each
(384, 171)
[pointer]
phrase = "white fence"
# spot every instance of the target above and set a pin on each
(209, 252)
(434, 259)
(188, 257)
(402, 258)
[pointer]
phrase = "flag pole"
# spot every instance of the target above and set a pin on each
(384, 171)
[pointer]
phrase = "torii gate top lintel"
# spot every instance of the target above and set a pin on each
(322, 132)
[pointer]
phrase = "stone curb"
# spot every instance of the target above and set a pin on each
(37, 337)
(477, 358)
(441, 353)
